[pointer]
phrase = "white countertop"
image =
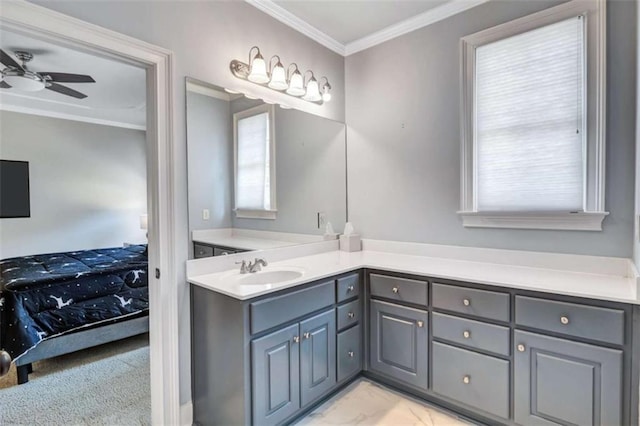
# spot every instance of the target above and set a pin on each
(589, 285)
(247, 239)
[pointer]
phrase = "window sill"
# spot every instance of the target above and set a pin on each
(583, 221)
(256, 214)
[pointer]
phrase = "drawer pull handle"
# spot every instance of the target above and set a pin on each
(350, 289)
(564, 320)
(351, 315)
(466, 334)
(395, 290)
(307, 335)
(466, 302)
(466, 380)
(521, 348)
(420, 324)
(296, 339)
(350, 353)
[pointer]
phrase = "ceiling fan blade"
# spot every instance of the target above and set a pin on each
(8, 61)
(4, 85)
(66, 90)
(63, 77)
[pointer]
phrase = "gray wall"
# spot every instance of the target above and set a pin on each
(205, 37)
(310, 174)
(87, 184)
(210, 159)
(403, 137)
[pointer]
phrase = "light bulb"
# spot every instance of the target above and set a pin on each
(326, 96)
(296, 84)
(258, 72)
(278, 78)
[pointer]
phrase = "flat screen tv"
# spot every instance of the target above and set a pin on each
(14, 189)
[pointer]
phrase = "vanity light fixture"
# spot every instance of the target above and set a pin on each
(275, 77)
(326, 90)
(278, 76)
(312, 93)
(257, 68)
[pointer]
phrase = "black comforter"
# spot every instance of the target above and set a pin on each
(42, 296)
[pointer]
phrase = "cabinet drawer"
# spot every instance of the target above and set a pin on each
(348, 287)
(401, 289)
(349, 352)
(473, 334)
(349, 314)
(217, 251)
(589, 322)
(200, 251)
(476, 380)
(471, 301)
(270, 312)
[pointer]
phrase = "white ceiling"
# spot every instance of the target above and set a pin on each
(118, 97)
(348, 21)
(349, 26)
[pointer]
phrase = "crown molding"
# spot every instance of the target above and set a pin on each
(300, 25)
(429, 17)
(71, 117)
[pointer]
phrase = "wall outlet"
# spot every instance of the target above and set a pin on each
(322, 220)
(205, 214)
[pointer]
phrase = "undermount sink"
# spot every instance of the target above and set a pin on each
(267, 277)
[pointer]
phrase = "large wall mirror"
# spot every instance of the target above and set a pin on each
(260, 176)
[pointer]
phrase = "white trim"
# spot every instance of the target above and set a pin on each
(428, 17)
(71, 117)
(583, 221)
(594, 203)
(37, 21)
(255, 214)
(424, 19)
(186, 414)
(300, 25)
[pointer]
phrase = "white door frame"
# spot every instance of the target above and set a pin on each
(39, 22)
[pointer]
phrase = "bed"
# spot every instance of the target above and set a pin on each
(52, 304)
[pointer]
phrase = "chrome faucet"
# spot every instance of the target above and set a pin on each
(247, 267)
(244, 268)
(255, 266)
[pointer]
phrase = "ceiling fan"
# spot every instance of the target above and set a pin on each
(21, 78)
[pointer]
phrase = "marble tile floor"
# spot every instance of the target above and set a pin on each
(367, 403)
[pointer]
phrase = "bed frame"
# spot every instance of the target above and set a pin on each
(78, 340)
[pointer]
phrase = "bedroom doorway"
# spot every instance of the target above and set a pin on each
(73, 245)
(39, 23)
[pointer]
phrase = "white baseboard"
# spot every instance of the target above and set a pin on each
(186, 413)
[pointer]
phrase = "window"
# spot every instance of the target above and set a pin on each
(254, 157)
(533, 121)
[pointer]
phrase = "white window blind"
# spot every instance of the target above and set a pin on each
(529, 135)
(253, 186)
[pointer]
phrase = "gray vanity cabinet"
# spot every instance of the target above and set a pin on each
(558, 381)
(275, 379)
(317, 356)
(398, 343)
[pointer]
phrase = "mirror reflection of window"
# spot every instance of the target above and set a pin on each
(254, 153)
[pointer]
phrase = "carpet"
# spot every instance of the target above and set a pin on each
(104, 385)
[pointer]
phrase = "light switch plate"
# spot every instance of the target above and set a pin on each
(205, 214)
(322, 220)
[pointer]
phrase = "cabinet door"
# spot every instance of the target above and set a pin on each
(275, 376)
(398, 342)
(558, 381)
(317, 356)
